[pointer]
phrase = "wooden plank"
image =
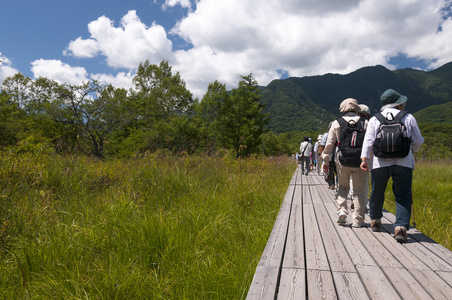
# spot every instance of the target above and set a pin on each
(349, 286)
(376, 249)
(446, 276)
(315, 251)
(433, 284)
(405, 284)
(321, 285)
(337, 254)
(376, 283)
(293, 284)
(357, 251)
(294, 251)
(274, 249)
(264, 283)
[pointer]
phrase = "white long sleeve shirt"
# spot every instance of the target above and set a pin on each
(412, 131)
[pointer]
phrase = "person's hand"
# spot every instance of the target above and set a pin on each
(364, 166)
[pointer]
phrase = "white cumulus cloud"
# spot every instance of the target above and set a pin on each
(59, 71)
(6, 70)
(125, 46)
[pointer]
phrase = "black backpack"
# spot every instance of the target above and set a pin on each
(392, 140)
(351, 142)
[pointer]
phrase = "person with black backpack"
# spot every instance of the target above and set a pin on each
(347, 134)
(392, 136)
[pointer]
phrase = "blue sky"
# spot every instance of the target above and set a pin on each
(207, 40)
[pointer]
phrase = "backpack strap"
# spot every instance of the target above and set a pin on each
(398, 118)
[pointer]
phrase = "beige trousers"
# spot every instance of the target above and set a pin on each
(360, 185)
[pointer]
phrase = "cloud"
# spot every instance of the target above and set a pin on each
(307, 37)
(59, 71)
(5, 68)
(125, 46)
(269, 38)
(121, 80)
(172, 3)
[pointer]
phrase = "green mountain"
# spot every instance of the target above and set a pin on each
(307, 103)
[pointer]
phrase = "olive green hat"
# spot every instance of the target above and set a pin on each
(390, 96)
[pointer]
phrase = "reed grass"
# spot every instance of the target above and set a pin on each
(152, 227)
(432, 198)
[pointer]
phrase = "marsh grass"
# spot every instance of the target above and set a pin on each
(154, 227)
(432, 198)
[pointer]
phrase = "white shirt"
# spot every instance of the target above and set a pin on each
(371, 133)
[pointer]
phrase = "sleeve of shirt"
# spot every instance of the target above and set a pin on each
(330, 142)
(416, 138)
(369, 138)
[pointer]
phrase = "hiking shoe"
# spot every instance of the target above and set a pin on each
(342, 217)
(375, 225)
(400, 234)
(357, 225)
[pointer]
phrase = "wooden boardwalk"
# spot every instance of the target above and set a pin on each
(309, 256)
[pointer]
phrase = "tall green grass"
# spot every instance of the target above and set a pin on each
(153, 227)
(432, 198)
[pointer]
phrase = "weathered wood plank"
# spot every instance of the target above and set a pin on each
(293, 284)
(315, 251)
(337, 254)
(376, 249)
(264, 283)
(433, 284)
(274, 249)
(377, 284)
(320, 285)
(349, 286)
(294, 251)
(405, 284)
(358, 253)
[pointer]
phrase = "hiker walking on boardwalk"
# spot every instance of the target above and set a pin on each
(348, 133)
(330, 175)
(305, 153)
(393, 160)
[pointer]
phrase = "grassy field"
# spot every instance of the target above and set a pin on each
(154, 227)
(432, 197)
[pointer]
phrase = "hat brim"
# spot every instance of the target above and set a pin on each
(401, 100)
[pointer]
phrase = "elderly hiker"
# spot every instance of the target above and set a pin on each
(348, 133)
(305, 153)
(391, 160)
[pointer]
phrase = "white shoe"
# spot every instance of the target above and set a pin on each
(357, 225)
(342, 217)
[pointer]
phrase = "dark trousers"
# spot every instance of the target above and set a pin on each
(402, 178)
(332, 176)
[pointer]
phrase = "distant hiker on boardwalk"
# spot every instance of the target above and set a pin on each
(348, 133)
(393, 160)
(305, 153)
(317, 153)
(330, 175)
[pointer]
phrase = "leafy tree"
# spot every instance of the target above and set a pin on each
(210, 112)
(160, 103)
(89, 113)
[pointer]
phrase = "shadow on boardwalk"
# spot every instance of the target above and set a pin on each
(308, 256)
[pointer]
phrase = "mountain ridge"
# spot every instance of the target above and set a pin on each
(306, 103)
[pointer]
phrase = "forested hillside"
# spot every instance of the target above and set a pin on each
(304, 103)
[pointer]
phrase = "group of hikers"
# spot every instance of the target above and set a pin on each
(356, 144)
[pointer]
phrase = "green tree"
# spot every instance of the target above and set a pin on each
(243, 118)
(89, 114)
(210, 112)
(161, 104)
